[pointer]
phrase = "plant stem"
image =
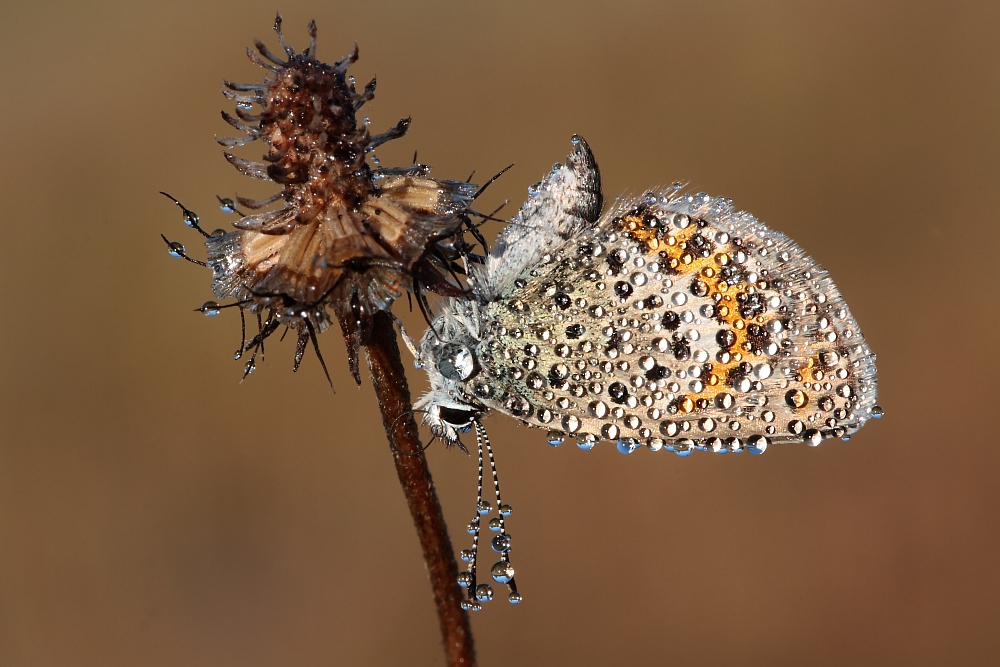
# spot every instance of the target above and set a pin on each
(393, 396)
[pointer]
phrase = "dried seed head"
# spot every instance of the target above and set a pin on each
(344, 235)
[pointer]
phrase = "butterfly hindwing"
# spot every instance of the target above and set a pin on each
(672, 321)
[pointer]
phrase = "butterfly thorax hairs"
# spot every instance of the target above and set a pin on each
(341, 234)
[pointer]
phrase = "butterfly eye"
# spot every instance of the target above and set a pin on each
(456, 417)
(456, 362)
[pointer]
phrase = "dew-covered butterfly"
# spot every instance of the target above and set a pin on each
(672, 321)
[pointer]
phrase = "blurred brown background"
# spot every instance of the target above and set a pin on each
(154, 511)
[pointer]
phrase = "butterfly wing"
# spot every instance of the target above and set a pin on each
(560, 207)
(674, 320)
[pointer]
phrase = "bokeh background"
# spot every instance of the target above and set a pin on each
(155, 511)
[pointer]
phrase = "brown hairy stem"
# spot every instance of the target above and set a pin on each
(393, 396)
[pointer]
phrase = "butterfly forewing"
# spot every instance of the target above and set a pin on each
(677, 319)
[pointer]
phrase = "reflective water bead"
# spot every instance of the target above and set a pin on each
(501, 543)
(210, 308)
(467, 555)
(484, 507)
(502, 572)
(627, 445)
(465, 579)
(555, 438)
(484, 592)
(514, 598)
(505, 509)
(496, 524)
(757, 444)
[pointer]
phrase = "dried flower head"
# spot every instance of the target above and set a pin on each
(343, 235)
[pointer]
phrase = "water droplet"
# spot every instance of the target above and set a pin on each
(829, 358)
(466, 555)
(627, 445)
(496, 524)
(876, 412)
(757, 444)
(484, 507)
(210, 308)
(466, 604)
(190, 218)
(555, 438)
(501, 543)
(571, 423)
(227, 205)
(514, 598)
(175, 248)
(796, 398)
(502, 572)
(465, 579)
(484, 592)
(505, 509)
(575, 139)
(586, 441)
(813, 437)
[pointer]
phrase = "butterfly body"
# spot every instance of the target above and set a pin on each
(671, 321)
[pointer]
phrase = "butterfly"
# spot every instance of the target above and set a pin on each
(670, 321)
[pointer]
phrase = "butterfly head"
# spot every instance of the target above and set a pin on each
(449, 353)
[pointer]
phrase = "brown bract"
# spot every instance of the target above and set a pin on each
(344, 236)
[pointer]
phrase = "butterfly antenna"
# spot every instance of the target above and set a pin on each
(467, 579)
(502, 571)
